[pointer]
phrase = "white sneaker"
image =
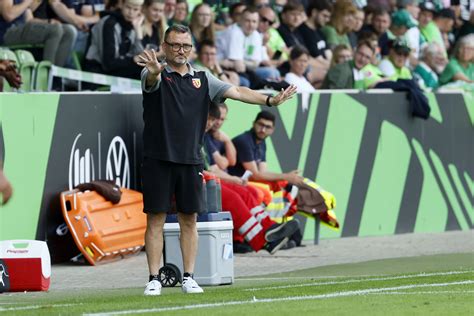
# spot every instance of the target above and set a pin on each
(191, 286)
(153, 288)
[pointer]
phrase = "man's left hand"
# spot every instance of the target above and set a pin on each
(283, 95)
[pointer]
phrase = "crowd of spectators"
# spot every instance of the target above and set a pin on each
(314, 44)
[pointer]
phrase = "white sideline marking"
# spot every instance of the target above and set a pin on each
(424, 292)
(281, 299)
(302, 277)
(7, 309)
(420, 275)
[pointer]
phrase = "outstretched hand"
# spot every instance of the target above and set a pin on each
(283, 95)
(149, 60)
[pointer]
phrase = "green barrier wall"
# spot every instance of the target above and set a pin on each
(391, 173)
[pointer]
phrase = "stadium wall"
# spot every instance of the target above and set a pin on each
(391, 173)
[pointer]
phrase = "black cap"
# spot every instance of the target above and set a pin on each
(400, 46)
(446, 13)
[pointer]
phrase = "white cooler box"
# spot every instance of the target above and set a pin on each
(215, 260)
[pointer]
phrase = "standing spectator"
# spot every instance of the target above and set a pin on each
(170, 7)
(431, 65)
(394, 67)
(299, 62)
(116, 41)
(18, 26)
(358, 73)
(202, 26)
(291, 18)
(461, 66)
(342, 22)
(176, 103)
(181, 13)
(154, 24)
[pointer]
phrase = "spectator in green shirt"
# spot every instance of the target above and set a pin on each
(394, 67)
(461, 67)
(431, 65)
(342, 22)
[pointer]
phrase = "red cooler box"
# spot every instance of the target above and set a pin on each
(29, 264)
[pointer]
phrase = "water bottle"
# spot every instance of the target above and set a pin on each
(219, 195)
(211, 187)
(204, 198)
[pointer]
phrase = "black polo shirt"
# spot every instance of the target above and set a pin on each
(314, 40)
(175, 113)
(247, 151)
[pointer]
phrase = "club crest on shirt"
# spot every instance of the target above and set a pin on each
(197, 83)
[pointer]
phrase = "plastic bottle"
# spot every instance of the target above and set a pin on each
(211, 187)
(219, 195)
(204, 198)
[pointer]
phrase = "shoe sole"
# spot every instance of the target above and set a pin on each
(284, 230)
(278, 246)
(154, 293)
(192, 292)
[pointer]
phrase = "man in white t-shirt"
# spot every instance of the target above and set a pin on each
(240, 48)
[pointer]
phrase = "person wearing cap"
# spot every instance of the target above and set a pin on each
(394, 67)
(461, 66)
(116, 42)
(401, 23)
(431, 65)
(413, 35)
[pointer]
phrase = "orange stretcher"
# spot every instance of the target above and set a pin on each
(103, 231)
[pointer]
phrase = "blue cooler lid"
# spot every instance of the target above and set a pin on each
(209, 217)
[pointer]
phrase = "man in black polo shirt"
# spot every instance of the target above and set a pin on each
(175, 102)
(251, 152)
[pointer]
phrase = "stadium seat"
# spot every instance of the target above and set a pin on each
(42, 76)
(27, 65)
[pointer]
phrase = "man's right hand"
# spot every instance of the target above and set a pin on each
(149, 60)
(293, 177)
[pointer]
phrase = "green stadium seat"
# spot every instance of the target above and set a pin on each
(42, 76)
(27, 65)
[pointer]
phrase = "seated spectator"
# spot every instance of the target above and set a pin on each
(431, 65)
(412, 35)
(319, 14)
(461, 66)
(116, 41)
(291, 18)
(394, 67)
(18, 26)
(274, 44)
(342, 22)
(373, 39)
(154, 24)
(202, 26)
(358, 73)
(358, 23)
(442, 24)
(235, 12)
(207, 59)
(240, 48)
(381, 21)
(299, 61)
(170, 8)
(221, 141)
(341, 54)
(401, 23)
(181, 13)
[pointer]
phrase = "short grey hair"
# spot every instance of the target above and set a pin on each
(178, 28)
(467, 40)
(430, 49)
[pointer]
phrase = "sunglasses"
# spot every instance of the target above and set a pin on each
(265, 20)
